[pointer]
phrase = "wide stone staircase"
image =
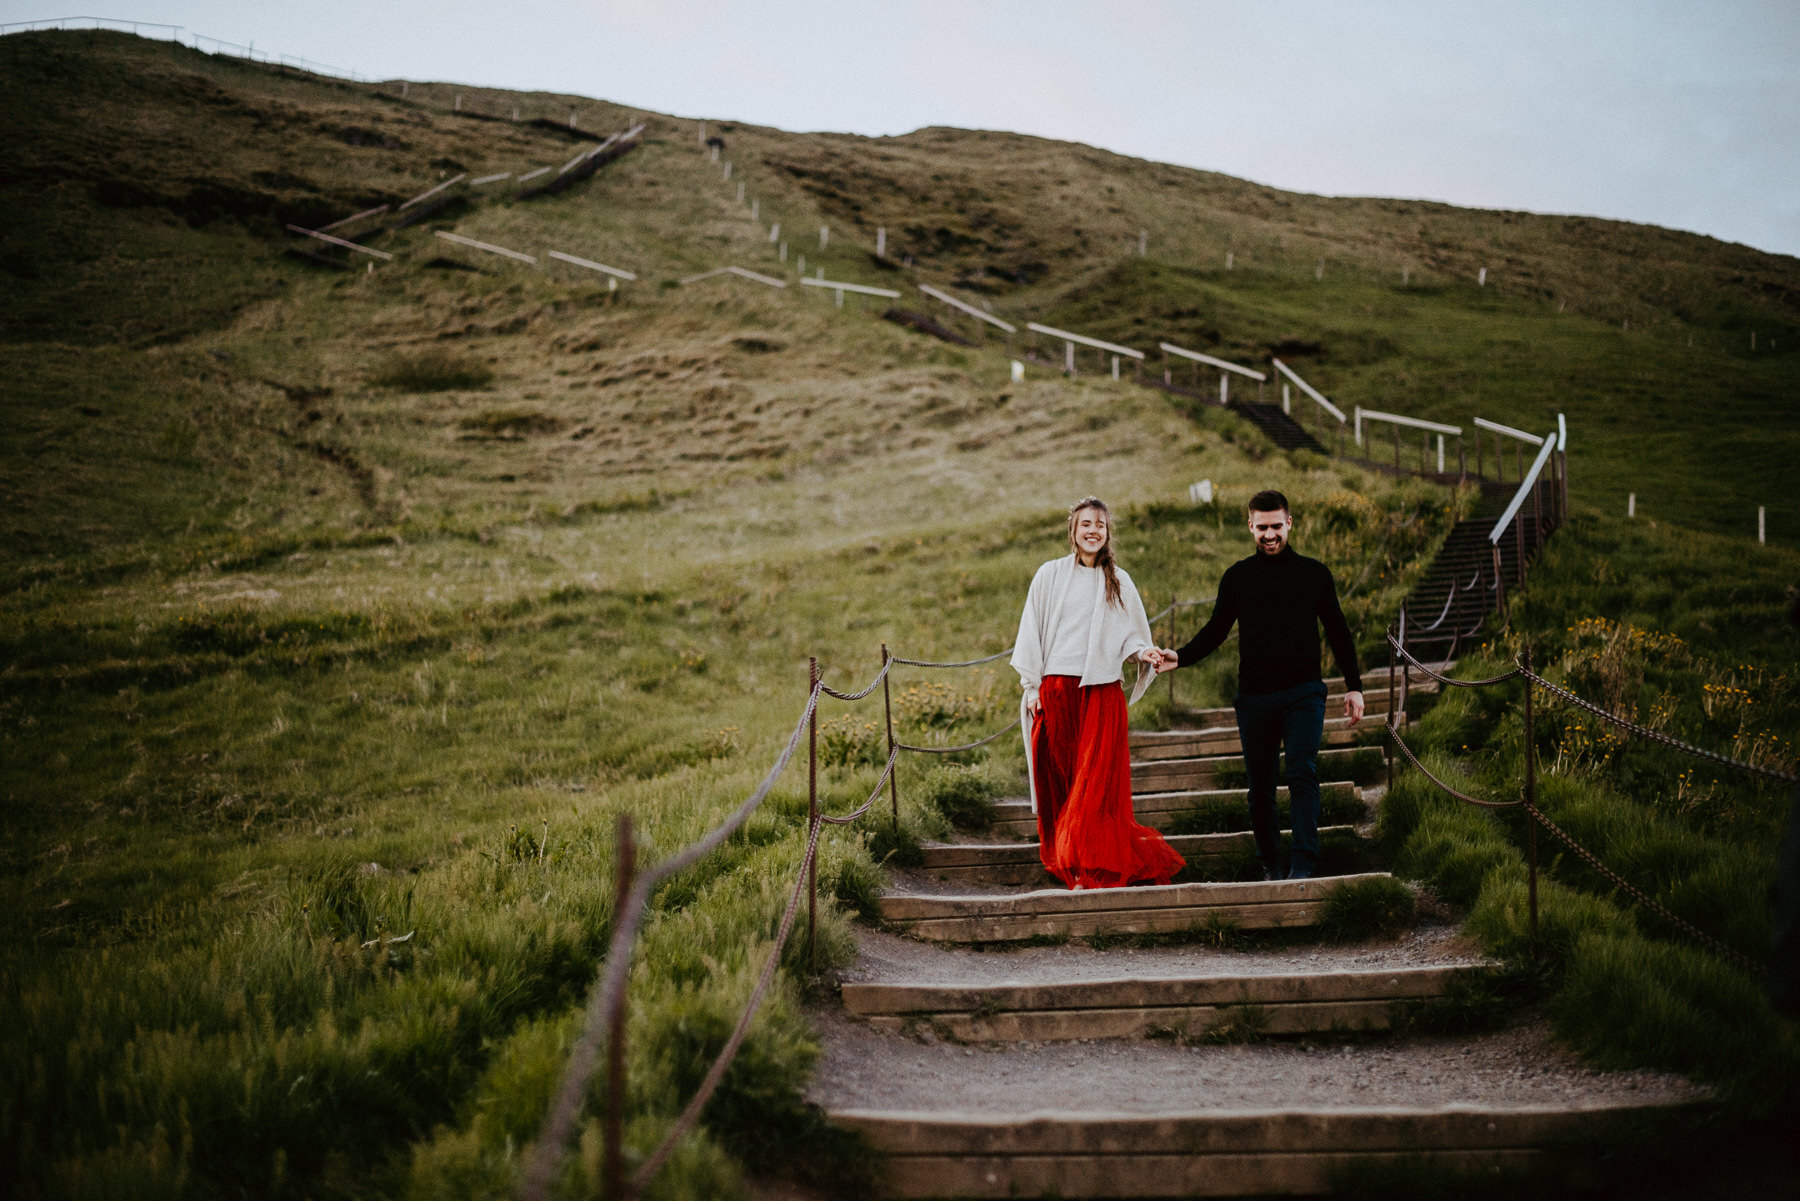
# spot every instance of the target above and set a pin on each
(1006, 1037)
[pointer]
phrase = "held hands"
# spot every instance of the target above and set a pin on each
(1353, 706)
(1160, 660)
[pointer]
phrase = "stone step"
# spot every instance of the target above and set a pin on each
(1017, 863)
(1188, 1006)
(1152, 765)
(1147, 909)
(1223, 1153)
(1158, 810)
(1223, 739)
(1187, 721)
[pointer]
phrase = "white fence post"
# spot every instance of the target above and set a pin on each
(1631, 504)
(1762, 525)
(881, 241)
(824, 236)
(1224, 388)
(1286, 402)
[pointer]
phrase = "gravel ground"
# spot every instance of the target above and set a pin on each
(890, 959)
(1521, 1065)
(864, 1069)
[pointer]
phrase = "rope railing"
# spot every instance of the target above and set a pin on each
(1528, 801)
(964, 663)
(605, 1011)
(1658, 736)
(967, 746)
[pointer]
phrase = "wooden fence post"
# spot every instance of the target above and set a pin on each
(887, 710)
(812, 818)
(612, 1164)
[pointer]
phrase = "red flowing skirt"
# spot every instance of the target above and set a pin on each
(1081, 767)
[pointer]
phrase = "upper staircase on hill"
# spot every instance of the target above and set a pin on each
(1281, 429)
(1473, 572)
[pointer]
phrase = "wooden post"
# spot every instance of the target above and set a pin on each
(887, 713)
(612, 1163)
(812, 817)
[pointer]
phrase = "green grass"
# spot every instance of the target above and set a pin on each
(1362, 909)
(266, 620)
(1624, 986)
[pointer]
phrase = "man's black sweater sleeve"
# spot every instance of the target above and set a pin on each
(1212, 634)
(1337, 632)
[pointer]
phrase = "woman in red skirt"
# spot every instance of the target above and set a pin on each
(1082, 620)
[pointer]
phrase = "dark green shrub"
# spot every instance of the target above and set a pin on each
(1454, 850)
(892, 846)
(1370, 908)
(964, 795)
(505, 423)
(434, 369)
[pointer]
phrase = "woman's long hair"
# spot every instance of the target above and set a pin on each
(1103, 559)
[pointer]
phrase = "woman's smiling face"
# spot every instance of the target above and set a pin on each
(1090, 534)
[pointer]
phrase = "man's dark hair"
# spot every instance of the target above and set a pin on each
(1268, 501)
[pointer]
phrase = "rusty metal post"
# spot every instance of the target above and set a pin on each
(1531, 798)
(1173, 602)
(1499, 584)
(812, 818)
(612, 1169)
(1387, 744)
(1519, 543)
(1537, 514)
(1405, 672)
(887, 712)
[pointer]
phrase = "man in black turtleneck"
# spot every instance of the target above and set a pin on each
(1279, 598)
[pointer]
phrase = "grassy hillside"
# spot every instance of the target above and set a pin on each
(337, 605)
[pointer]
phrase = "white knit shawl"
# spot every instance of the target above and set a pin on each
(1115, 635)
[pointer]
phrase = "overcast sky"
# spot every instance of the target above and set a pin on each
(1678, 114)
